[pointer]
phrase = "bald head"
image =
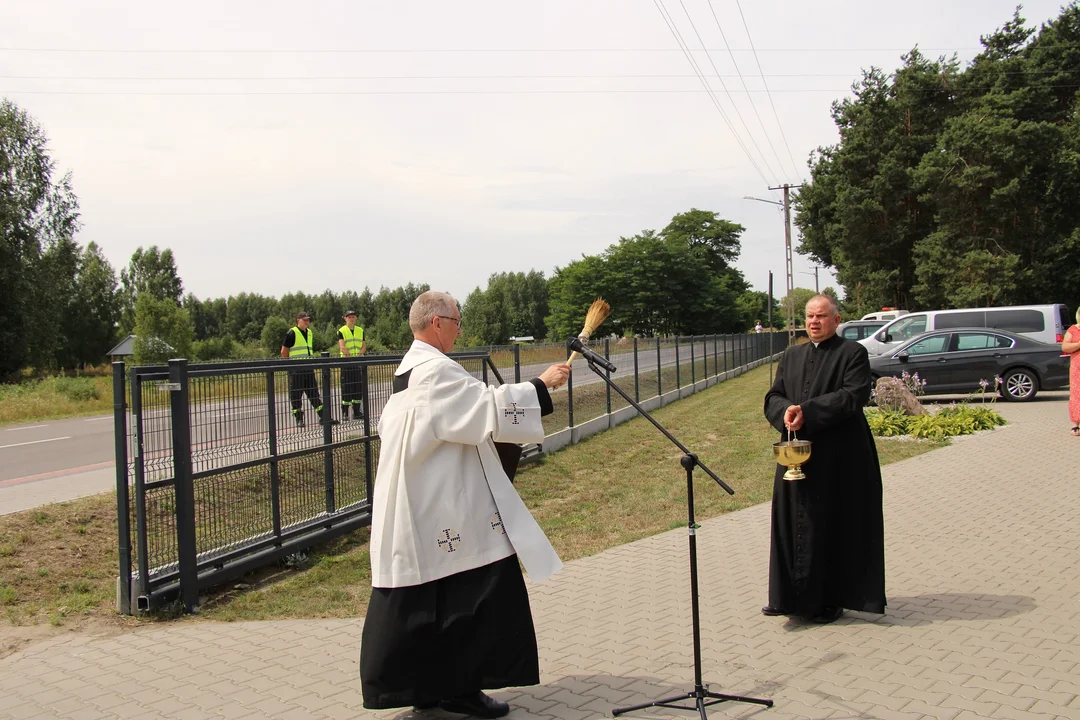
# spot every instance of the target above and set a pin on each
(822, 318)
(834, 308)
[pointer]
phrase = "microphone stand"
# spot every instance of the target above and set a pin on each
(701, 695)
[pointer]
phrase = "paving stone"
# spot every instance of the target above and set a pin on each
(981, 538)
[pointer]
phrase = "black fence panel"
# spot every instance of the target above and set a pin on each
(225, 467)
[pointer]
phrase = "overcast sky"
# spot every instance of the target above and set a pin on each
(280, 146)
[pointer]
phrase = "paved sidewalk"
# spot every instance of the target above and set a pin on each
(983, 540)
(54, 487)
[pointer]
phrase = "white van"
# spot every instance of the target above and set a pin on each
(884, 314)
(1045, 323)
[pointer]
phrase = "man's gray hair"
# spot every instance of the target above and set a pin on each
(834, 307)
(427, 306)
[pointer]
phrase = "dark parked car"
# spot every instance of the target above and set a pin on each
(859, 329)
(955, 360)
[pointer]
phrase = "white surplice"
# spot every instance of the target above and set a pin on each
(442, 502)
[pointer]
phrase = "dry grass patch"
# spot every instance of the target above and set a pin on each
(56, 397)
(58, 564)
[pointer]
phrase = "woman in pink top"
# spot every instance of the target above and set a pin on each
(1071, 346)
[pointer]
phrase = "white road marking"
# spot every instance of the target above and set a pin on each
(99, 419)
(27, 427)
(35, 442)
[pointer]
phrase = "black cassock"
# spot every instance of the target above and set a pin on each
(456, 635)
(828, 537)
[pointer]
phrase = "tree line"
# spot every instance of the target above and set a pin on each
(63, 306)
(955, 187)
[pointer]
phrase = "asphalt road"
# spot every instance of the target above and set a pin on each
(36, 451)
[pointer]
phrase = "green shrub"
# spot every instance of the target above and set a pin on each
(78, 389)
(217, 348)
(949, 421)
(887, 423)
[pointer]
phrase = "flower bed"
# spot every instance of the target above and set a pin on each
(899, 412)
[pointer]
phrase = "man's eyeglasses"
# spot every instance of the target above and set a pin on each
(457, 320)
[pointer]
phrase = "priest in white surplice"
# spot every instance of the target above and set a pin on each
(449, 614)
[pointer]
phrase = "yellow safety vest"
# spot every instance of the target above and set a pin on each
(354, 339)
(301, 347)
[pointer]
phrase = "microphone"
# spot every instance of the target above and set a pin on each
(589, 355)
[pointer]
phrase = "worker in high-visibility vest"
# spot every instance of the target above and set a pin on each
(297, 346)
(351, 344)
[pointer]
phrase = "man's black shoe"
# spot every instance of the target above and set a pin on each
(828, 614)
(426, 705)
(771, 611)
(299, 420)
(477, 704)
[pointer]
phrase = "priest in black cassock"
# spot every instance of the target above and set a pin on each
(449, 613)
(828, 537)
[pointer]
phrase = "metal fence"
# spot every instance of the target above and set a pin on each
(216, 477)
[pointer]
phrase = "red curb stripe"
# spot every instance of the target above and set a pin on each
(55, 473)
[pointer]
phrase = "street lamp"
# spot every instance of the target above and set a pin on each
(771, 202)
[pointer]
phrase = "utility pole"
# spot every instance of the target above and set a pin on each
(786, 187)
(817, 288)
(770, 329)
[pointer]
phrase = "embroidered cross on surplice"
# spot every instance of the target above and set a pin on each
(513, 412)
(447, 538)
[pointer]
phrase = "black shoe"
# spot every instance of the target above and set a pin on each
(299, 420)
(828, 614)
(477, 704)
(357, 413)
(430, 705)
(771, 611)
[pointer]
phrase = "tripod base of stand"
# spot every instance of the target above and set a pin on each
(702, 698)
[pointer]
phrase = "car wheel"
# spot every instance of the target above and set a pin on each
(1019, 385)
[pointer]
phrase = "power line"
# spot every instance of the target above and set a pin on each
(624, 76)
(701, 78)
(723, 85)
(753, 105)
(604, 91)
(761, 72)
(353, 51)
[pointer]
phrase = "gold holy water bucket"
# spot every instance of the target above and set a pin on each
(792, 454)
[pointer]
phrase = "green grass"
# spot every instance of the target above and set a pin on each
(613, 488)
(58, 564)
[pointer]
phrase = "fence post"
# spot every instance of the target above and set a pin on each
(141, 543)
(517, 362)
(368, 475)
(328, 436)
(659, 371)
(693, 370)
(607, 388)
(678, 369)
(123, 509)
(186, 551)
(637, 385)
(271, 428)
(569, 391)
